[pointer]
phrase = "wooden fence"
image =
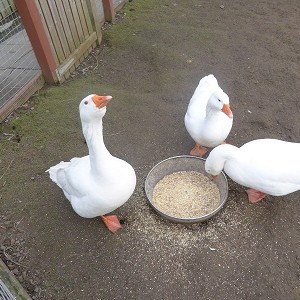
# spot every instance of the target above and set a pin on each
(69, 28)
(62, 33)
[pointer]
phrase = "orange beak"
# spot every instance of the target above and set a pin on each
(214, 177)
(226, 110)
(101, 101)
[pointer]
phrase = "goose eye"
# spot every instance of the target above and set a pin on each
(86, 102)
(219, 100)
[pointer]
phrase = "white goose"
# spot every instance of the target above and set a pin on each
(259, 165)
(98, 183)
(209, 118)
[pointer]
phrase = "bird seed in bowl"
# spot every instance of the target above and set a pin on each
(186, 194)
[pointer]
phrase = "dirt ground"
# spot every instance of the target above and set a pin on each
(151, 62)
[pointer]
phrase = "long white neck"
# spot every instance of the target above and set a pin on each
(226, 153)
(99, 155)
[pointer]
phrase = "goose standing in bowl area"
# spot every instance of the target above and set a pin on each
(259, 165)
(98, 183)
(209, 118)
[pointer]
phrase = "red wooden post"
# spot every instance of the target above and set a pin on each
(38, 38)
(109, 12)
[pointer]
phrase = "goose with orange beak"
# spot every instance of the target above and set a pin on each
(209, 118)
(259, 165)
(97, 183)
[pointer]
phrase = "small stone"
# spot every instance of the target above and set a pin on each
(8, 224)
(222, 6)
(15, 271)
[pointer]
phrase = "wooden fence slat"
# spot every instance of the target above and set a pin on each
(82, 19)
(37, 3)
(87, 17)
(46, 29)
(77, 20)
(60, 31)
(66, 25)
(59, 28)
(52, 31)
(95, 17)
(71, 23)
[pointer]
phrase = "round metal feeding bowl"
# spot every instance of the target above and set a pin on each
(177, 164)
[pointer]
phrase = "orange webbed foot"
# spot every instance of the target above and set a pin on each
(255, 196)
(112, 223)
(198, 150)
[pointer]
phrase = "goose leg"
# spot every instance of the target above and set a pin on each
(111, 222)
(198, 150)
(254, 195)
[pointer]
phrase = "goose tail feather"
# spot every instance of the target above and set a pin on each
(53, 171)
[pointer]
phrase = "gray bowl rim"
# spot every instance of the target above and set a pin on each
(186, 220)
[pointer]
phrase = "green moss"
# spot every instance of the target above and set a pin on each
(55, 110)
(138, 29)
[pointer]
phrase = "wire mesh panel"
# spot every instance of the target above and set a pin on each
(18, 65)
